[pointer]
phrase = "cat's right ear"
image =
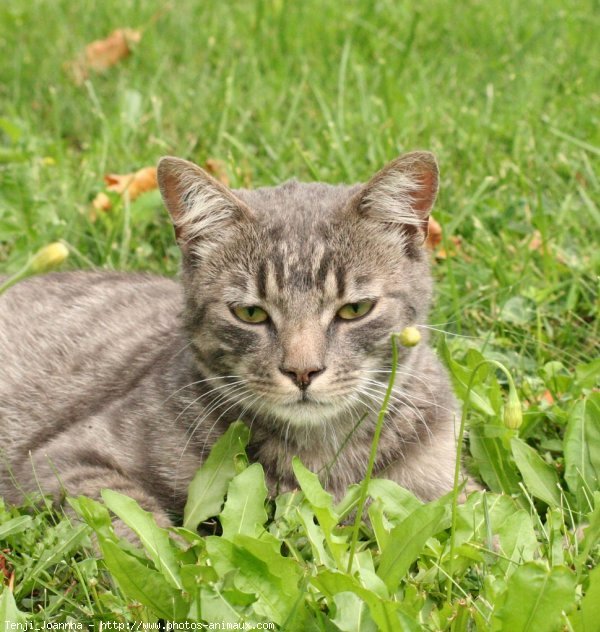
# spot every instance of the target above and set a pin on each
(203, 210)
(402, 193)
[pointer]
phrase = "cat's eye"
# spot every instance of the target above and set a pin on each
(350, 311)
(251, 314)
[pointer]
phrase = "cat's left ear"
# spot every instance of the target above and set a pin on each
(403, 192)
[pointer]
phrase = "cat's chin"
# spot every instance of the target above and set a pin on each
(305, 413)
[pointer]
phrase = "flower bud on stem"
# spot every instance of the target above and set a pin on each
(44, 260)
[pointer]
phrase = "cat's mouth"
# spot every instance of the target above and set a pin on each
(307, 399)
(305, 410)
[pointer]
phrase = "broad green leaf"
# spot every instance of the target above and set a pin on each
(216, 609)
(460, 379)
(387, 615)
(9, 613)
(518, 310)
(380, 525)
(352, 613)
(588, 375)
(492, 459)
(314, 492)
(209, 486)
(252, 576)
(398, 502)
(582, 448)
(286, 568)
(155, 540)
(486, 520)
(536, 597)
(587, 618)
(591, 532)
(406, 542)
(540, 478)
(518, 541)
(143, 584)
(16, 525)
(349, 501)
(95, 514)
(316, 537)
(321, 503)
(194, 575)
(244, 510)
(482, 515)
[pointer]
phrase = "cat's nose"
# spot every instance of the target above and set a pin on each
(301, 377)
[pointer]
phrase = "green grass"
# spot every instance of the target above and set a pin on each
(505, 94)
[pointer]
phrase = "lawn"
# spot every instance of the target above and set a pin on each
(506, 95)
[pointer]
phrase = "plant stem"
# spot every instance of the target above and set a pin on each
(457, 468)
(15, 278)
(374, 445)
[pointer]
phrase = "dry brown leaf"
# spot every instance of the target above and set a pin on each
(217, 169)
(102, 54)
(547, 397)
(132, 184)
(536, 241)
(434, 234)
(454, 250)
(102, 202)
(5, 568)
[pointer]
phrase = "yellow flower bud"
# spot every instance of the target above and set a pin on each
(409, 337)
(48, 257)
(513, 415)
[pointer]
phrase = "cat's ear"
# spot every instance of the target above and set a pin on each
(203, 210)
(402, 193)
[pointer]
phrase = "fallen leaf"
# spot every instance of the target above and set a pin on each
(455, 248)
(547, 397)
(100, 55)
(536, 241)
(4, 564)
(434, 234)
(132, 184)
(217, 169)
(102, 202)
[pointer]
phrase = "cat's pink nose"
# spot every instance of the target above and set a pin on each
(301, 377)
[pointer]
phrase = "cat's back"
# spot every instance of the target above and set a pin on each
(75, 308)
(68, 333)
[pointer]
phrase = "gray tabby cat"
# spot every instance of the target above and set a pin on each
(283, 319)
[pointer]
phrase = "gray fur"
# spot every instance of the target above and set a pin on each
(125, 381)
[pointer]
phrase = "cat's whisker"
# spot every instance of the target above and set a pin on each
(222, 400)
(236, 403)
(230, 389)
(449, 333)
(256, 413)
(208, 379)
(195, 425)
(394, 408)
(403, 393)
(200, 397)
(194, 428)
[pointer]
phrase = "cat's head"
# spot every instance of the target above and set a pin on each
(292, 292)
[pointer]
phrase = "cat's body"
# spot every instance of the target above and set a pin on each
(126, 381)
